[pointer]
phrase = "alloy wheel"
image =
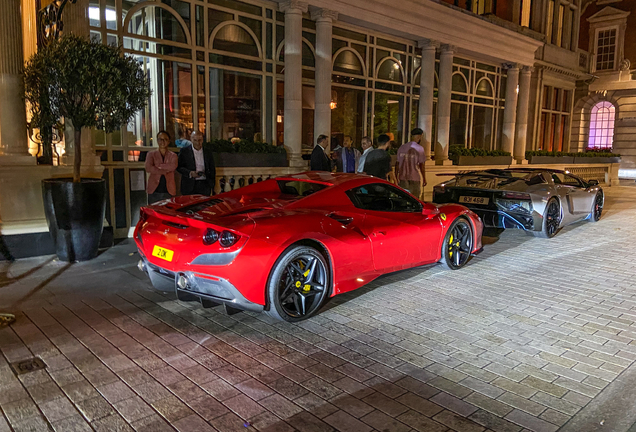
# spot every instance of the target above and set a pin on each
(302, 286)
(553, 217)
(598, 206)
(460, 244)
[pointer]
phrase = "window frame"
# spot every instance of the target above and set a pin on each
(597, 30)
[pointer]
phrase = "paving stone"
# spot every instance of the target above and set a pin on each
(420, 422)
(352, 405)
(385, 404)
(133, 409)
(482, 387)
(71, 424)
(171, 408)
(192, 423)
(112, 423)
(419, 404)
(454, 404)
(493, 422)
(243, 406)
(380, 421)
(522, 403)
(305, 422)
(344, 422)
(456, 422)
(533, 423)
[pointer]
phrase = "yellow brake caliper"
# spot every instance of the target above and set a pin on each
(450, 246)
(307, 287)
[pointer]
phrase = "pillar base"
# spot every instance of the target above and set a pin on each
(429, 162)
(12, 160)
(521, 161)
(297, 161)
(445, 162)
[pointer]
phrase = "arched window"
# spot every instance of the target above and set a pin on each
(602, 125)
(233, 38)
(348, 62)
(459, 83)
(157, 22)
(390, 70)
(484, 88)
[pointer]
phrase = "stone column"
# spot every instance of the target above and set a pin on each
(322, 111)
(427, 86)
(13, 131)
(294, 10)
(444, 105)
(510, 110)
(521, 129)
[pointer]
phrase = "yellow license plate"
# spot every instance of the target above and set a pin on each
(164, 254)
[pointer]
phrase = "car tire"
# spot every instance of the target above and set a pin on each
(552, 217)
(597, 207)
(455, 254)
(298, 285)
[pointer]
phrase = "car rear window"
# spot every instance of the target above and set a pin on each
(299, 188)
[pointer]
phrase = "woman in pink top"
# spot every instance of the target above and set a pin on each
(161, 165)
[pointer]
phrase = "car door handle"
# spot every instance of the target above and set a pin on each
(377, 233)
(344, 220)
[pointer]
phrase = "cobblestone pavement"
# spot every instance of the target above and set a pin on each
(521, 339)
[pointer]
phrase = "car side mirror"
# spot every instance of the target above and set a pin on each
(430, 210)
(592, 182)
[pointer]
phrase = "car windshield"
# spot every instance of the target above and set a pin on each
(299, 188)
(499, 178)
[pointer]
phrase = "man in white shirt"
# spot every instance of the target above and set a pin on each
(367, 147)
(196, 166)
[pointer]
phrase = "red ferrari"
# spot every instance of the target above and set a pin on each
(287, 244)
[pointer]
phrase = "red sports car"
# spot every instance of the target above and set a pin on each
(284, 245)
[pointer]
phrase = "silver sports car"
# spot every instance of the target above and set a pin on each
(539, 201)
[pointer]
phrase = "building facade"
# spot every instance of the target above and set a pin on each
(481, 74)
(605, 112)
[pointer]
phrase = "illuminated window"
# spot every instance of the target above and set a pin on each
(602, 125)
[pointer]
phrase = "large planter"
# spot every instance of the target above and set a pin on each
(590, 159)
(483, 160)
(75, 215)
(250, 159)
(551, 159)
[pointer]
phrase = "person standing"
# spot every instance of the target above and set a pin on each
(410, 169)
(196, 166)
(161, 164)
(347, 157)
(378, 161)
(319, 159)
(367, 147)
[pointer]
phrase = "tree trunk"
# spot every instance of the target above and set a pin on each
(77, 163)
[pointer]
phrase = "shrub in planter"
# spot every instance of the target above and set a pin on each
(595, 156)
(461, 155)
(247, 154)
(91, 85)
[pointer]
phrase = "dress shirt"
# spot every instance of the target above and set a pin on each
(362, 159)
(199, 161)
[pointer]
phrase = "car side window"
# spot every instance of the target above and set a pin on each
(571, 181)
(383, 197)
(557, 178)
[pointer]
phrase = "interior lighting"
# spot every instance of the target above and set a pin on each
(333, 105)
(279, 118)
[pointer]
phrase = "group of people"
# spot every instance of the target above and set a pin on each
(409, 169)
(195, 163)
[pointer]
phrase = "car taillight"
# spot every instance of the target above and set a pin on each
(515, 195)
(210, 236)
(228, 239)
(142, 215)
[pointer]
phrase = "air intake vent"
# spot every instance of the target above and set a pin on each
(191, 209)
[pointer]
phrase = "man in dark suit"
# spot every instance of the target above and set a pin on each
(319, 159)
(196, 166)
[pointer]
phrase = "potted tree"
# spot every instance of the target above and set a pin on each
(88, 84)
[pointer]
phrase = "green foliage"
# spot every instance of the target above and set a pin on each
(589, 153)
(243, 146)
(458, 150)
(86, 82)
